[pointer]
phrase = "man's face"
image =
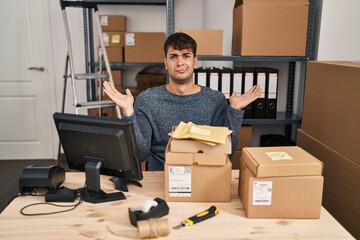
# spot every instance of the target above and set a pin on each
(180, 65)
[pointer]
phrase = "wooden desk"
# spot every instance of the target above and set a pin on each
(111, 221)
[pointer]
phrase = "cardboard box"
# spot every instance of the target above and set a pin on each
(204, 46)
(144, 47)
(185, 182)
(245, 140)
(113, 23)
(341, 182)
(103, 112)
(115, 54)
(114, 39)
(151, 76)
(331, 112)
(270, 28)
(280, 182)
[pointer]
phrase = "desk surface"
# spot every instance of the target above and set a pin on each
(110, 220)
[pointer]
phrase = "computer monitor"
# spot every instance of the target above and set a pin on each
(99, 145)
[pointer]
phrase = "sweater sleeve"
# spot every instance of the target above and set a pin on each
(234, 119)
(142, 128)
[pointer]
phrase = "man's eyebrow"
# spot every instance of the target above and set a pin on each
(174, 54)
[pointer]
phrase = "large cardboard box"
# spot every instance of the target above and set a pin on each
(331, 111)
(270, 27)
(280, 182)
(144, 47)
(113, 23)
(202, 37)
(341, 182)
(197, 177)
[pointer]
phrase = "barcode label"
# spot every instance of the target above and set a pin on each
(179, 181)
(262, 193)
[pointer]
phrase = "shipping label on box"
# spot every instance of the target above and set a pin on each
(179, 181)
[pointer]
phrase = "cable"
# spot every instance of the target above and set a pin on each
(72, 206)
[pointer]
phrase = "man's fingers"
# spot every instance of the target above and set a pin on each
(128, 92)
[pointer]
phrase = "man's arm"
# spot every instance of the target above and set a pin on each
(241, 101)
(124, 101)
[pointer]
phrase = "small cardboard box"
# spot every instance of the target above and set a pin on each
(114, 39)
(197, 177)
(113, 23)
(115, 54)
(270, 27)
(144, 47)
(202, 37)
(280, 182)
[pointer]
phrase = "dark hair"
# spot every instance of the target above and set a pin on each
(180, 41)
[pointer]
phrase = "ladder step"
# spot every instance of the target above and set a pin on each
(95, 104)
(83, 76)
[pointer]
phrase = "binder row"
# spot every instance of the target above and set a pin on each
(240, 80)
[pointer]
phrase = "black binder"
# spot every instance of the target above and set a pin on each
(225, 82)
(272, 77)
(237, 80)
(213, 78)
(248, 83)
(259, 104)
(201, 76)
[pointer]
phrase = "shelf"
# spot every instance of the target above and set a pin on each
(130, 2)
(252, 58)
(122, 65)
(282, 118)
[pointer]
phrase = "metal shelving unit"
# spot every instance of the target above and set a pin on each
(288, 118)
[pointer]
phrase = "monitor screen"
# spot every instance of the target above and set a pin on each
(99, 145)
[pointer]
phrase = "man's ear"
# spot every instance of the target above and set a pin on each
(195, 61)
(165, 64)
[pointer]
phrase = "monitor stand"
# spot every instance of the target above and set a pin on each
(121, 183)
(92, 192)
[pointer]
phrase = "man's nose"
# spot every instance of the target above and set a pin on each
(180, 60)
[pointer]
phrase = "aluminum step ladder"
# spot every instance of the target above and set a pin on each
(103, 59)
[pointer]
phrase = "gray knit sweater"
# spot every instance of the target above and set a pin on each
(157, 111)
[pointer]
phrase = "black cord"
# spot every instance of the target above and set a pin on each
(72, 206)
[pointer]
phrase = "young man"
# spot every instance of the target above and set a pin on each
(158, 109)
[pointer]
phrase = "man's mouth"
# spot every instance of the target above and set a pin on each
(181, 70)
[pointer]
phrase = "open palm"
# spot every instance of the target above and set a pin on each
(241, 101)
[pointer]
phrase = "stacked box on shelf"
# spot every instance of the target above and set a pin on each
(113, 28)
(144, 47)
(270, 28)
(204, 46)
(151, 76)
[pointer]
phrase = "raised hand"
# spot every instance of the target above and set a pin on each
(241, 101)
(124, 101)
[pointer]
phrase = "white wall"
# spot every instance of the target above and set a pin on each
(339, 32)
